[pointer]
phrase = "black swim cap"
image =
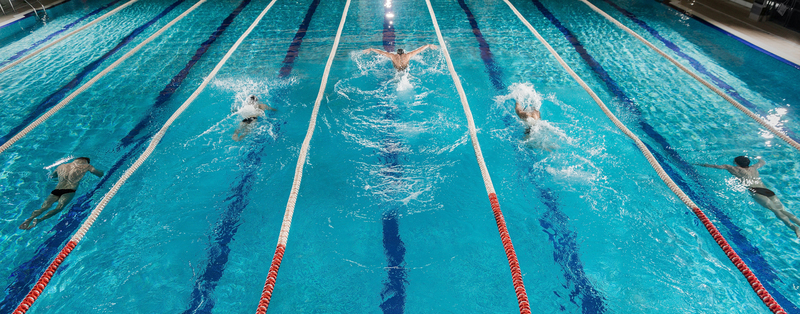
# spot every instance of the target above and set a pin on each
(84, 158)
(400, 51)
(742, 161)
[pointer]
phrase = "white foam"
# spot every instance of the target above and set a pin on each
(60, 161)
(524, 93)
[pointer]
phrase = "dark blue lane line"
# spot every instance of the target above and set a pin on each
(393, 294)
(776, 57)
(26, 274)
(747, 251)
(56, 33)
(697, 65)
(202, 297)
(495, 72)
(294, 48)
(553, 222)
(388, 31)
(56, 97)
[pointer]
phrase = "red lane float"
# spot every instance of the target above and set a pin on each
(513, 263)
(739, 263)
(269, 286)
(44, 279)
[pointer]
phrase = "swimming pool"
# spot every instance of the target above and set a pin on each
(391, 215)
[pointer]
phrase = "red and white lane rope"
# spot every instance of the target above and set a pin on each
(112, 12)
(45, 278)
(513, 263)
(719, 92)
(91, 82)
(723, 244)
(283, 237)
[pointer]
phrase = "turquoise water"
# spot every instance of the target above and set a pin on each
(595, 229)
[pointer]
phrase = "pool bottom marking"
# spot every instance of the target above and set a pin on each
(294, 48)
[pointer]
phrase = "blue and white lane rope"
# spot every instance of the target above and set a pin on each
(91, 82)
(283, 237)
(508, 246)
(719, 92)
(110, 13)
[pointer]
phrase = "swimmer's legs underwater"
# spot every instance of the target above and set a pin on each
(243, 129)
(63, 200)
(774, 204)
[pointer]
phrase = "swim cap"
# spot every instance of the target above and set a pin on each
(400, 51)
(253, 98)
(742, 161)
(84, 158)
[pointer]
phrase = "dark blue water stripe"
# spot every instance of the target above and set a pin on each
(393, 294)
(56, 33)
(696, 65)
(746, 250)
(749, 44)
(56, 97)
(495, 73)
(294, 48)
(166, 94)
(388, 31)
(554, 222)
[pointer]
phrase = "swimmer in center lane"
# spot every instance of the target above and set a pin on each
(250, 112)
(763, 196)
(401, 58)
(69, 176)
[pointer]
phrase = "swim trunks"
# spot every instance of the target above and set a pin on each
(59, 192)
(250, 120)
(762, 191)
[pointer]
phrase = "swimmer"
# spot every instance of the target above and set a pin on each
(529, 117)
(69, 176)
(763, 196)
(250, 116)
(401, 58)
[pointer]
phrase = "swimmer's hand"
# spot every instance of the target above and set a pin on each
(433, 46)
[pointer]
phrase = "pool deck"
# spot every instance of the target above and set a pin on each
(734, 18)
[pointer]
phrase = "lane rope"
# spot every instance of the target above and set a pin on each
(48, 274)
(723, 244)
(91, 82)
(719, 92)
(283, 237)
(516, 272)
(103, 17)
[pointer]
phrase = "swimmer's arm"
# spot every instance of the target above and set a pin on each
(760, 163)
(421, 49)
(96, 172)
(384, 53)
(265, 107)
(714, 166)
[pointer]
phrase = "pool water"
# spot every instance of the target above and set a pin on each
(392, 214)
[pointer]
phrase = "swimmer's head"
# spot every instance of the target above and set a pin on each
(252, 98)
(742, 161)
(400, 51)
(83, 158)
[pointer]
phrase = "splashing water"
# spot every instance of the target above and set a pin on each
(539, 134)
(524, 93)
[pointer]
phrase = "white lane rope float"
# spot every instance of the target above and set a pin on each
(719, 92)
(283, 237)
(516, 273)
(73, 242)
(743, 268)
(112, 12)
(91, 82)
